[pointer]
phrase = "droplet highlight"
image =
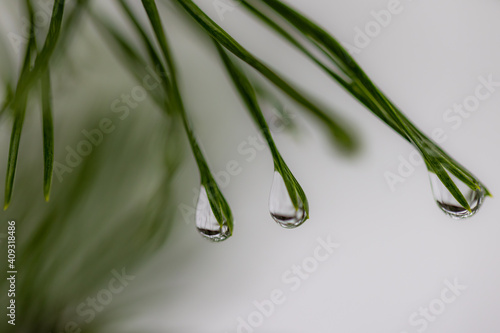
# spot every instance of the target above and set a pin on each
(281, 206)
(206, 223)
(449, 205)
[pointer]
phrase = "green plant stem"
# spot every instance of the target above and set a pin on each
(218, 203)
(371, 96)
(48, 134)
(28, 77)
(249, 97)
(343, 138)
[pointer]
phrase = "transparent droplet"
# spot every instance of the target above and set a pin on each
(206, 223)
(449, 204)
(281, 207)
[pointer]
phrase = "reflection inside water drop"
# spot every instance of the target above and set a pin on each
(206, 223)
(281, 207)
(449, 204)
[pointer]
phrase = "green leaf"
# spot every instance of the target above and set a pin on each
(292, 40)
(48, 134)
(19, 114)
(248, 95)
(151, 50)
(218, 203)
(28, 77)
(367, 92)
(343, 138)
(443, 176)
(15, 139)
(324, 41)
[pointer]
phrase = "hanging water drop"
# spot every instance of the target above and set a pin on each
(206, 223)
(281, 206)
(449, 204)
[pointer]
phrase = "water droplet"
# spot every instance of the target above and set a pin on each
(206, 223)
(281, 207)
(449, 204)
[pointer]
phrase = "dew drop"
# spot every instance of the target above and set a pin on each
(449, 204)
(281, 207)
(206, 223)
